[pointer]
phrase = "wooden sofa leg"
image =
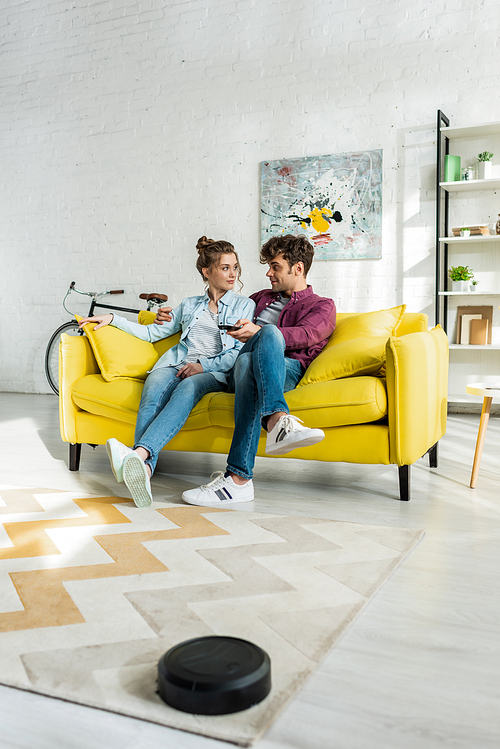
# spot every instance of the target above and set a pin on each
(74, 456)
(433, 456)
(404, 483)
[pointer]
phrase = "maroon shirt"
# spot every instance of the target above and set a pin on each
(306, 322)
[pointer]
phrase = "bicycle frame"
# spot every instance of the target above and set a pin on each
(94, 296)
(51, 352)
(110, 306)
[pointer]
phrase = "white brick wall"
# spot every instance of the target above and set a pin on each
(129, 128)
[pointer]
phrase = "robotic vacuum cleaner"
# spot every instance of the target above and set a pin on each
(214, 675)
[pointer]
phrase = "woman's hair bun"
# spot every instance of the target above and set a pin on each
(202, 243)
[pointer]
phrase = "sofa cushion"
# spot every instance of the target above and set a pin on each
(358, 325)
(360, 356)
(147, 318)
(119, 400)
(119, 354)
(413, 322)
(356, 347)
(355, 400)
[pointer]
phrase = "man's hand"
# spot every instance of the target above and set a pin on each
(247, 330)
(102, 320)
(188, 370)
(163, 315)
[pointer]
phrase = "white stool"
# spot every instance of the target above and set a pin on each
(489, 391)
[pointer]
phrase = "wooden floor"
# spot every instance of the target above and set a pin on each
(419, 669)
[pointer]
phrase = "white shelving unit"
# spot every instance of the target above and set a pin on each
(467, 203)
(472, 131)
(472, 346)
(469, 293)
(471, 185)
(470, 240)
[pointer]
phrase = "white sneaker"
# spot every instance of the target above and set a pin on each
(117, 453)
(288, 435)
(221, 491)
(136, 477)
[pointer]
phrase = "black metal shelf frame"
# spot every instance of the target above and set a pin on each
(442, 222)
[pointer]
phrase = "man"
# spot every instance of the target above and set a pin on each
(291, 326)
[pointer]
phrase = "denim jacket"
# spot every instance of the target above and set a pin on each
(232, 307)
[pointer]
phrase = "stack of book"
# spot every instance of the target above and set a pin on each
(480, 230)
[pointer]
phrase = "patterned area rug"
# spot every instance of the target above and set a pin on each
(94, 591)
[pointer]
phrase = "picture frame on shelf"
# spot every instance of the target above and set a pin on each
(481, 312)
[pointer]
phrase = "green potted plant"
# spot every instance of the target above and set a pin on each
(473, 285)
(484, 166)
(465, 232)
(460, 276)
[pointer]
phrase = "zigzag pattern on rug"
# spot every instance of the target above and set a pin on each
(94, 591)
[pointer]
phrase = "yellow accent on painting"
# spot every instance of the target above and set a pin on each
(318, 220)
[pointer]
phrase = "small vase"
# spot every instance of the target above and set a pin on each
(452, 168)
(460, 286)
(473, 287)
(484, 169)
(465, 233)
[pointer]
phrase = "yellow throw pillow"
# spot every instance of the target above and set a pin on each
(145, 317)
(164, 344)
(379, 323)
(360, 356)
(356, 347)
(120, 354)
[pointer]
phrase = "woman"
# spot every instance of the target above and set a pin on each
(197, 365)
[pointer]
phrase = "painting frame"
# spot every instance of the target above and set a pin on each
(334, 200)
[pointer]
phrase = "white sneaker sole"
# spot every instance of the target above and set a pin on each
(115, 459)
(135, 475)
(202, 501)
(281, 448)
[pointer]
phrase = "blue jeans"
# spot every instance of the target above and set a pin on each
(261, 375)
(166, 403)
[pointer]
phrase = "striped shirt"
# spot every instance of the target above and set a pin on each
(203, 340)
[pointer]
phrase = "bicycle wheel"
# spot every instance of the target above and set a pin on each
(52, 353)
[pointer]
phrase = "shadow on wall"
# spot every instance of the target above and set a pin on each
(415, 199)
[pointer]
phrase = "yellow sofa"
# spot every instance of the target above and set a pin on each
(379, 394)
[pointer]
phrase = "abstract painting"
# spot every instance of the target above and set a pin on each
(336, 201)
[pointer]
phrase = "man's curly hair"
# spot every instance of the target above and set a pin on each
(294, 250)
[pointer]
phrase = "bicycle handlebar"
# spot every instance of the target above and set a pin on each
(95, 294)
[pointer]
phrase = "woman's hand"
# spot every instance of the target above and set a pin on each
(188, 370)
(247, 330)
(163, 315)
(102, 320)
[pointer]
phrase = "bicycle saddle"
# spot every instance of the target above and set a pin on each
(156, 297)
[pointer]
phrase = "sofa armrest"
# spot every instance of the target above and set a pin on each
(75, 361)
(417, 393)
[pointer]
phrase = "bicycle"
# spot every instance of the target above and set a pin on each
(153, 301)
